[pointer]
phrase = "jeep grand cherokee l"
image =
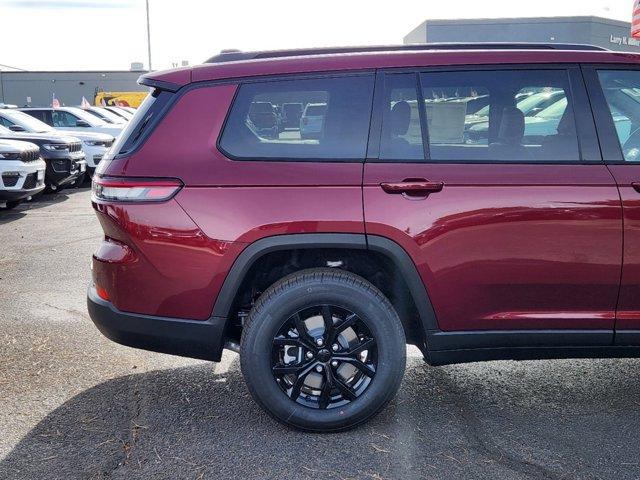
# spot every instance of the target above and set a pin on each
(21, 172)
(62, 155)
(319, 257)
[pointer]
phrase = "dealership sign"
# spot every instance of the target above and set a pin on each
(625, 40)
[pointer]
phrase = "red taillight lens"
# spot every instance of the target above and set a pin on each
(114, 189)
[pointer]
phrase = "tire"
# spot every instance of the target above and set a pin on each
(345, 299)
(80, 181)
(51, 188)
(12, 204)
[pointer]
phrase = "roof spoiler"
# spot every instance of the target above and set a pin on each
(232, 55)
(159, 84)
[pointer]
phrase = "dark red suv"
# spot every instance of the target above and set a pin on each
(480, 202)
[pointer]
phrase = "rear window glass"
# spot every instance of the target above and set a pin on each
(305, 119)
(140, 125)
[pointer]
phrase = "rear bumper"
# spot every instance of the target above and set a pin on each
(188, 338)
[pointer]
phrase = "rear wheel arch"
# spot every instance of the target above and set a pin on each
(387, 253)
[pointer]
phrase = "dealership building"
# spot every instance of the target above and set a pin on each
(603, 32)
(36, 89)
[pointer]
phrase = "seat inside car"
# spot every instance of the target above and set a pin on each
(561, 145)
(510, 135)
(400, 119)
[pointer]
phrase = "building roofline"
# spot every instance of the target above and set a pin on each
(500, 21)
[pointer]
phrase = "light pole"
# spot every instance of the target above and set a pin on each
(148, 35)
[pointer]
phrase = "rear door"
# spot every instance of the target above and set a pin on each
(615, 96)
(512, 219)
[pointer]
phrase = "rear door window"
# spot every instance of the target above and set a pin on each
(526, 116)
(303, 119)
(63, 119)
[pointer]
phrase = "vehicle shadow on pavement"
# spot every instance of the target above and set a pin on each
(560, 419)
(40, 201)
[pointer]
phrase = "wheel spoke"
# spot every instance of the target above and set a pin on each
(282, 369)
(295, 342)
(302, 330)
(347, 322)
(343, 325)
(327, 317)
(327, 386)
(362, 346)
(297, 385)
(363, 367)
(345, 390)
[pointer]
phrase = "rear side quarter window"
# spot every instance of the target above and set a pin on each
(324, 119)
(148, 114)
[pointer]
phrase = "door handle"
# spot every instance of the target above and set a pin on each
(636, 186)
(412, 187)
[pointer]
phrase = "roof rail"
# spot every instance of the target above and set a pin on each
(232, 55)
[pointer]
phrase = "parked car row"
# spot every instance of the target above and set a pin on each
(268, 120)
(48, 149)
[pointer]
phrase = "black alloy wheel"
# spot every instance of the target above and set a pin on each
(324, 356)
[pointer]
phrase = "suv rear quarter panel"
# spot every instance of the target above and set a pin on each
(156, 261)
(186, 246)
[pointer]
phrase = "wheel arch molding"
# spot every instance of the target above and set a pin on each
(391, 250)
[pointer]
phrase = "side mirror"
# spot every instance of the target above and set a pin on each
(17, 128)
(82, 124)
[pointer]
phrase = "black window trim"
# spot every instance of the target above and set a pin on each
(283, 78)
(588, 147)
(164, 101)
(607, 135)
(424, 124)
(375, 135)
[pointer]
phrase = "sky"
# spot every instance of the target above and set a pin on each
(110, 34)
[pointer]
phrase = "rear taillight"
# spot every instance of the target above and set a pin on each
(114, 189)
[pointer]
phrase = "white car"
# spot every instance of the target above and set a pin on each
(125, 114)
(104, 114)
(72, 119)
(94, 145)
(21, 172)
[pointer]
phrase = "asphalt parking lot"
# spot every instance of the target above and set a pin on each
(75, 405)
